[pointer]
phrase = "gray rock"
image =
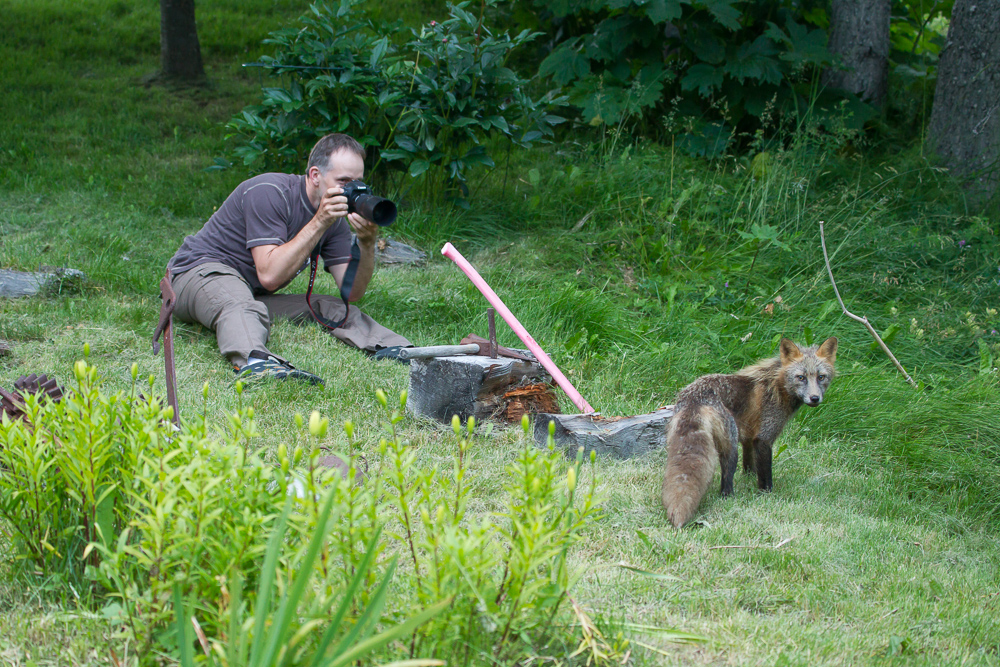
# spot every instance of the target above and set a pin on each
(394, 252)
(390, 251)
(620, 437)
(14, 284)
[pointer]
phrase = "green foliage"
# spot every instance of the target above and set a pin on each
(508, 577)
(67, 471)
(276, 637)
(431, 100)
(108, 489)
(917, 36)
(729, 60)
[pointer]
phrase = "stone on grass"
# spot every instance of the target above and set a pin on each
(16, 284)
(619, 437)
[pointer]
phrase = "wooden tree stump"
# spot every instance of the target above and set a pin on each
(473, 385)
(621, 437)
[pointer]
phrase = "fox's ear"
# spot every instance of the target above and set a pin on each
(789, 350)
(828, 350)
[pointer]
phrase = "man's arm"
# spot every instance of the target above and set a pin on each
(278, 264)
(367, 233)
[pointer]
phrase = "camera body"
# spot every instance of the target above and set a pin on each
(377, 209)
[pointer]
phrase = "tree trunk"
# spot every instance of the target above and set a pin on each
(965, 119)
(180, 51)
(859, 34)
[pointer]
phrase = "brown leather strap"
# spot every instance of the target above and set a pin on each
(164, 326)
(166, 310)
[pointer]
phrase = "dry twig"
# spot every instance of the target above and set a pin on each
(863, 320)
(754, 546)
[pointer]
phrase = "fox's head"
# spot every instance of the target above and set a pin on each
(806, 372)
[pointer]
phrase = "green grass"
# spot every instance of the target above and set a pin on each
(888, 495)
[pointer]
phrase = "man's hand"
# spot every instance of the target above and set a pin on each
(332, 207)
(366, 230)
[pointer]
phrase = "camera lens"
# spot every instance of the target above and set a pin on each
(380, 211)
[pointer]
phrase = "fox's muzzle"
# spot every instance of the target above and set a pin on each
(814, 400)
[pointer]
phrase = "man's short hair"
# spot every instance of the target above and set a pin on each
(319, 156)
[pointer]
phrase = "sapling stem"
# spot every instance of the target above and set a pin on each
(864, 319)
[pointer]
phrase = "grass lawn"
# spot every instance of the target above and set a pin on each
(878, 544)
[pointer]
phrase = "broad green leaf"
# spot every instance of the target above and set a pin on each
(380, 49)
(724, 12)
(660, 11)
(752, 61)
(418, 167)
(703, 78)
(708, 46)
(565, 64)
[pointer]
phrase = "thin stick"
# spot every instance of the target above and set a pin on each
(863, 320)
(754, 546)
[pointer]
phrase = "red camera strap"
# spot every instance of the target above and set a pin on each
(345, 286)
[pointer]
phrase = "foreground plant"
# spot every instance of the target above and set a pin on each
(278, 637)
(175, 532)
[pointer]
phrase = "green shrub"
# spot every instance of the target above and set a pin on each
(430, 102)
(107, 488)
(66, 473)
(724, 61)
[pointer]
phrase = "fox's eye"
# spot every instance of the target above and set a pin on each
(820, 377)
(800, 378)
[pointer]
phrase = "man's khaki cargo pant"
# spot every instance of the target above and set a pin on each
(215, 295)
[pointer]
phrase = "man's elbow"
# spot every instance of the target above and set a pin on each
(268, 282)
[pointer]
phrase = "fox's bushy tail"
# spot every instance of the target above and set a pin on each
(691, 459)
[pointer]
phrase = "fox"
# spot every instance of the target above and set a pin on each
(749, 407)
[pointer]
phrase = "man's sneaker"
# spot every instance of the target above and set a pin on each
(391, 353)
(264, 365)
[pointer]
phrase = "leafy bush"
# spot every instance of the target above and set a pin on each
(917, 36)
(276, 637)
(67, 471)
(508, 578)
(109, 489)
(430, 102)
(718, 63)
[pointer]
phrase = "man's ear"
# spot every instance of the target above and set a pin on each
(313, 174)
(828, 350)
(789, 351)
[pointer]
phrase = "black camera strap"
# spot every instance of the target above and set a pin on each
(345, 286)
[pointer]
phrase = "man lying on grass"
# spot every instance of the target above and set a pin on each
(226, 275)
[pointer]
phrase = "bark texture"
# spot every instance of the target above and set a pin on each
(965, 119)
(180, 51)
(859, 34)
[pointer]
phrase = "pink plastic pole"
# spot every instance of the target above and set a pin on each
(454, 255)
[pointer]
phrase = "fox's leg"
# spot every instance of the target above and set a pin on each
(729, 455)
(762, 458)
(748, 466)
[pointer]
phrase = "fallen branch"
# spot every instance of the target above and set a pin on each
(863, 320)
(754, 546)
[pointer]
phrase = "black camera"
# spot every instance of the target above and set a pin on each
(360, 200)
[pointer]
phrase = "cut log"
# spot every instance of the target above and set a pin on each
(621, 437)
(478, 386)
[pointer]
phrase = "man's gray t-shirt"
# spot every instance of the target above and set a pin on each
(269, 209)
